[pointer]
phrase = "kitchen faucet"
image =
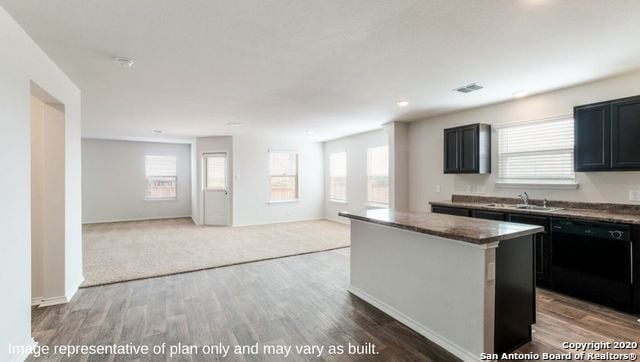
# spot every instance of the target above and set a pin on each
(524, 197)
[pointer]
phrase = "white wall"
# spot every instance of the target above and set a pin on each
(114, 181)
(251, 181)
(398, 134)
(47, 202)
(356, 148)
(210, 145)
(23, 62)
(426, 147)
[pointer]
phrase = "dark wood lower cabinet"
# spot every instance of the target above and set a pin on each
(490, 215)
(515, 296)
(542, 245)
(543, 248)
(450, 210)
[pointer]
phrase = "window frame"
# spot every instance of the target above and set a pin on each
(149, 179)
(224, 155)
(296, 177)
(346, 188)
(375, 203)
(540, 183)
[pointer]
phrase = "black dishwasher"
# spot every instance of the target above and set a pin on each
(593, 260)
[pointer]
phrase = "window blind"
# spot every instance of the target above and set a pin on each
(283, 175)
(338, 176)
(161, 175)
(283, 163)
(160, 165)
(538, 151)
(378, 175)
(216, 172)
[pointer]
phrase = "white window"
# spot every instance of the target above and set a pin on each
(338, 176)
(216, 172)
(283, 175)
(536, 152)
(378, 175)
(162, 180)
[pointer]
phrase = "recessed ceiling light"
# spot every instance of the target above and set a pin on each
(235, 124)
(124, 62)
(402, 103)
(520, 94)
(158, 131)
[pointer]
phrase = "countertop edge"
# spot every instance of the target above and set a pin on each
(475, 241)
(557, 213)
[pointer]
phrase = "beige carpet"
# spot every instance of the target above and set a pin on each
(114, 252)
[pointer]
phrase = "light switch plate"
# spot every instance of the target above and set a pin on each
(438, 189)
(634, 195)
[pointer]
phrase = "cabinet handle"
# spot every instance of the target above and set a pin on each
(631, 255)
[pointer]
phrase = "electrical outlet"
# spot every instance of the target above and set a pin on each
(469, 189)
(634, 195)
(480, 189)
(438, 189)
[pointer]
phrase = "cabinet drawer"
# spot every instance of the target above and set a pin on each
(490, 215)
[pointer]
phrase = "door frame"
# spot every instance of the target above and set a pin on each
(229, 189)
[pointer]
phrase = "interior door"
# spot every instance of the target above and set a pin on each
(216, 189)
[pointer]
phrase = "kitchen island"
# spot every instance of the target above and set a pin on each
(466, 284)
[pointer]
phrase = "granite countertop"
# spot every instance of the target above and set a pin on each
(596, 212)
(475, 231)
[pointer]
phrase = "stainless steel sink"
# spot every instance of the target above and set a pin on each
(535, 208)
(524, 207)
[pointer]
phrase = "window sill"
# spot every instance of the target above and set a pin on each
(161, 200)
(373, 205)
(338, 201)
(283, 201)
(549, 185)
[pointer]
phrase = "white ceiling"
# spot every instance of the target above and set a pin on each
(335, 67)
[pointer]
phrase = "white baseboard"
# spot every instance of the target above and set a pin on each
(47, 302)
(417, 327)
(30, 344)
(73, 289)
(339, 219)
(135, 219)
(36, 301)
(280, 222)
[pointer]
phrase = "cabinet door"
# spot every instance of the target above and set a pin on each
(593, 137)
(450, 210)
(451, 149)
(490, 215)
(625, 134)
(469, 149)
(542, 243)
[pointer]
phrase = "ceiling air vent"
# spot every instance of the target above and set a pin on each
(469, 88)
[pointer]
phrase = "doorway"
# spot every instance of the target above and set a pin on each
(216, 188)
(47, 121)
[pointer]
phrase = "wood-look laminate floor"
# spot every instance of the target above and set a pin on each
(296, 300)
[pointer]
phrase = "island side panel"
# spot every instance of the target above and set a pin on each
(436, 286)
(515, 293)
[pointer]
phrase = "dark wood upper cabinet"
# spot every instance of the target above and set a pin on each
(592, 137)
(467, 149)
(625, 134)
(451, 148)
(607, 135)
